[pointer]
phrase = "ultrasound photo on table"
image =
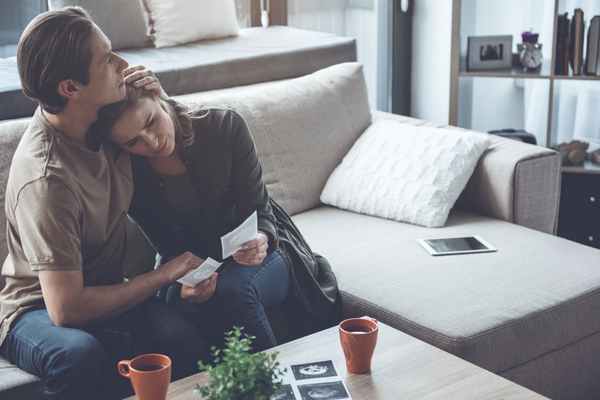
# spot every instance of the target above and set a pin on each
(285, 392)
(314, 370)
(328, 390)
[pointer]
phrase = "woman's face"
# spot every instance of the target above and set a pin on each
(145, 129)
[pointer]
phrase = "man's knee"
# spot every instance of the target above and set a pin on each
(83, 355)
(80, 370)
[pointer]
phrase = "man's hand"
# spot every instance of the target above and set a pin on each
(202, 292)
(140, 76)
(254, 251)
(180, 266)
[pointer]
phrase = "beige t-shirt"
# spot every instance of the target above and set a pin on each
(66, 207)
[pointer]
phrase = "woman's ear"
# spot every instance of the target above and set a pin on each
(68, 89)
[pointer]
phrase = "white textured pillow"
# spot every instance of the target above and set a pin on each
(404, 172)
(182, 21)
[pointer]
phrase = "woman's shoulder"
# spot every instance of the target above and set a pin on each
(215, 111)
(213, 118)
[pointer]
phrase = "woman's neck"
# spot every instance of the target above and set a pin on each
(170, 165)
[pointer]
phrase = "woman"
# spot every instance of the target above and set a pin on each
(197, 177)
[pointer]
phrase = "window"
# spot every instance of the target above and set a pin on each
(15, 16)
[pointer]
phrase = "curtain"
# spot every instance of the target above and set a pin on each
(318, 15)
(242, 9)
(14, 17)
(352, 18)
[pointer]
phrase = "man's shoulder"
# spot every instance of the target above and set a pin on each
(32, 155)
(36, 162)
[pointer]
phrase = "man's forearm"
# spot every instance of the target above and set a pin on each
(71, 304)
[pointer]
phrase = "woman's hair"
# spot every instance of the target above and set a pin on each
(55, 46)
(182, 115)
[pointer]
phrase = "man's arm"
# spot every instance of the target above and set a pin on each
(71, 304)
(49, 228)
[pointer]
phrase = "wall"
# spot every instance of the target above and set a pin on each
(430, 89)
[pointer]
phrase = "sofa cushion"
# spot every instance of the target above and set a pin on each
(514, 182)
(13, 103)
(537, 293)
(17, 384)
(405, 172)
(302, 128)
(10, 135)
(122, 21)
(182, 21)
(255, 55)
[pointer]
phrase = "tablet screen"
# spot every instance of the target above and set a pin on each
(456, 245)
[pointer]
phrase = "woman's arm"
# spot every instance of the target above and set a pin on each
(146, 211)
(250, 192)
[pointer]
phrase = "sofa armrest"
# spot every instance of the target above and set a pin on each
(513, 181)
(518, 183)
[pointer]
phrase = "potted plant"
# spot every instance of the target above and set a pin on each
(239, 375)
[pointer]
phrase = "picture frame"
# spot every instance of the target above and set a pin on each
(489, 52)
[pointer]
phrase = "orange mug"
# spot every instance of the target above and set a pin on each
(358, 337)
(150, 375)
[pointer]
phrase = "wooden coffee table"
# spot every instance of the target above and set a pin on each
(402, 368)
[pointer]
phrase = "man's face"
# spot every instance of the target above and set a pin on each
(106, 84)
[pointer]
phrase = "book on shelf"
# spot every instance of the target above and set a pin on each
(591, 59)
(576, 42)
(561, 64)
(598, 48)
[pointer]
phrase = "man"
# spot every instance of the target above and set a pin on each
(67, 314)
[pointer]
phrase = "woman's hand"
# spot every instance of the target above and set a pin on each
(202, 292)
(254, 251)
(140, 76)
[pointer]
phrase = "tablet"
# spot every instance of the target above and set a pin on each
(456, 245)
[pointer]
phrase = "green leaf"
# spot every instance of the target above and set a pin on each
(239, 375)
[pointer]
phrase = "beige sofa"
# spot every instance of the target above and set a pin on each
(527, 312)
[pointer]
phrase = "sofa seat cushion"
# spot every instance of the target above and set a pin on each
(496, 310)
(255, 55)
(17, 384)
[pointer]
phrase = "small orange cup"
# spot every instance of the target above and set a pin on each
(358, 337)
(150, 375)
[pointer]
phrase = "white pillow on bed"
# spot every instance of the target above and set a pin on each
(404, 172)
(182, 21)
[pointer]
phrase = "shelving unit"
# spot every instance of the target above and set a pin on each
(580, 193)
(458, 72)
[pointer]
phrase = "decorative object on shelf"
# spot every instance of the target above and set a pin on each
(573, 152)
(576, 42)
(489, 52)
(239, 374)
(264, 13)
(516, 134)
(596, 157)
(592, 67)
(530, 51)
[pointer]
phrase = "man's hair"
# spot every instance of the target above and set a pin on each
(55, 46)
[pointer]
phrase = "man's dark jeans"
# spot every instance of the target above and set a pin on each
(82, 363)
